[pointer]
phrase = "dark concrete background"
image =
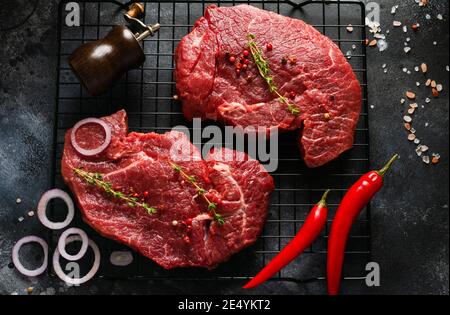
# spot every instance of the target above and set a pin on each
(410, 215)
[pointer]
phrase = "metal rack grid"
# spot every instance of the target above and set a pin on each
(146, 93)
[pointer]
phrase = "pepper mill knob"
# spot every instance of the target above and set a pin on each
(136, 10)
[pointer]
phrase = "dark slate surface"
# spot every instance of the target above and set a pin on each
(410, 215)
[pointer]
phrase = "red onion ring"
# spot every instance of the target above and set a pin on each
(97, 150)
(77, 281)
(16, 260)
(121, 258)
(62, 244)
(42, 206)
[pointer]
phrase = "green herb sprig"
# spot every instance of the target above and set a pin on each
(212, 206)
(265, 72)
(96, 179)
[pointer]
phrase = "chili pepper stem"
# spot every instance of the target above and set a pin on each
(323, 201)
(383, 171)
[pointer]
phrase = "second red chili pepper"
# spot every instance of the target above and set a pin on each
(314, 224)
(356, 198)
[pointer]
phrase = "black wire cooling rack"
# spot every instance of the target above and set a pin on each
(146, 93)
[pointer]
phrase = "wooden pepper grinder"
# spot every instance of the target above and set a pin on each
(99, 64)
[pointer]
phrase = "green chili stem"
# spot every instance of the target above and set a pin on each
(383, 171)
(323, 201)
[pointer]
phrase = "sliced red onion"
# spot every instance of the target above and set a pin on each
(42, 207)
(97, 150)
(62, 244)
(77, 281)
(121, 258)
(18, 264)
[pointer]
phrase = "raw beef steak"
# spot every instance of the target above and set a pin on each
(240, 186)
(317, 78)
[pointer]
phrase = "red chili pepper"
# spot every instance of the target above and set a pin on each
(356, 198)
(314, 224)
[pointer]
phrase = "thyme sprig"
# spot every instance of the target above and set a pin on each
(212, 206)
(265, 72)
(96, 179)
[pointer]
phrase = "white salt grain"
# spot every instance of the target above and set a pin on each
(382, 45)
(419, 153)
(394, 9)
